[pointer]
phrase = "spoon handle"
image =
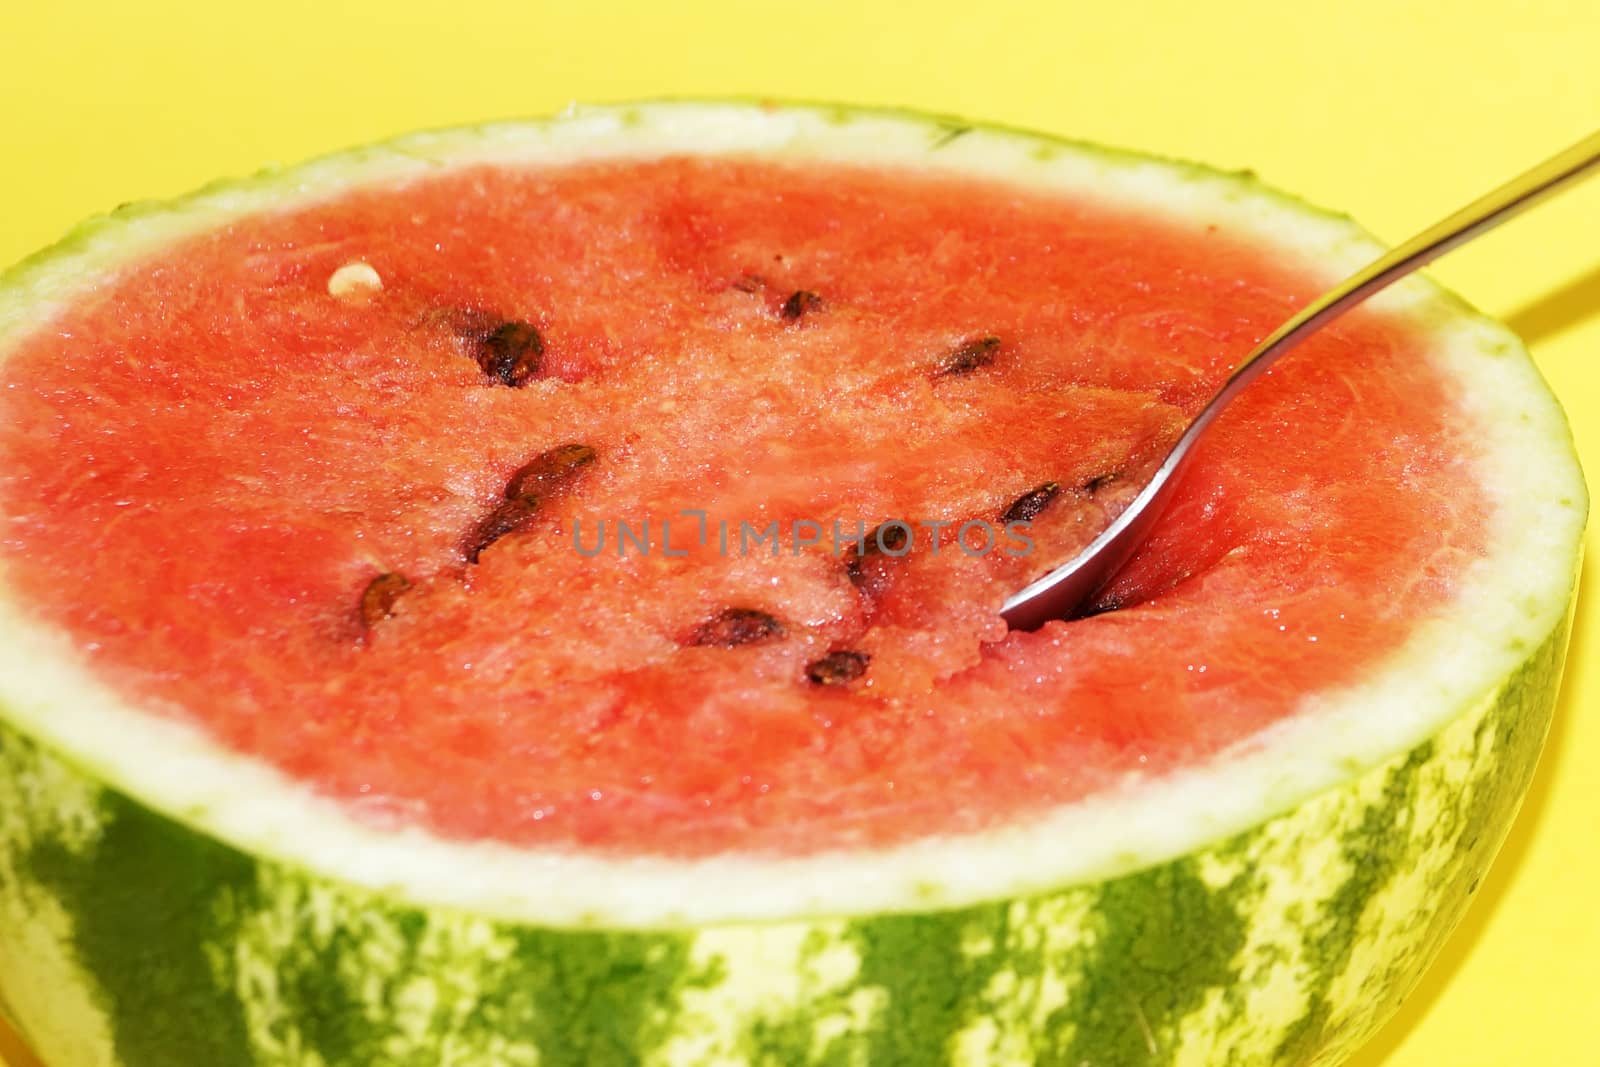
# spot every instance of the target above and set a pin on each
(1062, 592)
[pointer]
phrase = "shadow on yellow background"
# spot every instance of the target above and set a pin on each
(12, 1052)
(1564, 308)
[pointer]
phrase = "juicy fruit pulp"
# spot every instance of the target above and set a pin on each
(302, 519)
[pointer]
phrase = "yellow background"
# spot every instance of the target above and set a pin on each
(1393, 111)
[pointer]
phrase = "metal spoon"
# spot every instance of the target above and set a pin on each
(1065, 590)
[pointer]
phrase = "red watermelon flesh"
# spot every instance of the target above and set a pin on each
(212, 461)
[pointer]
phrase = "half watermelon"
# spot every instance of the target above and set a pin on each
(529, 595)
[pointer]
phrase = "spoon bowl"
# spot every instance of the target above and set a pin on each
(1065, 591)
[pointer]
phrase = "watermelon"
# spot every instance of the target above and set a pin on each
(476, 601)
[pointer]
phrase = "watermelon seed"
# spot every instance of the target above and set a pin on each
(749, 283)
(801, 302)
(1029, 505)
(967, 357)
(379, 597)
(733, 627)
(838, 668)
(354, 282)
(1099, 482)
(549, 470)
(508, 516)
(513, 353)
(890, 537)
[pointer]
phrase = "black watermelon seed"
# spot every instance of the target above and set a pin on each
(512, 354)
(549, 470)
(838, 668)
(507, 517)
(379, 597)
(968, 356)
(1029, 505)
(1099, 482)
(888, 537)
(736, 626)
(801, 302)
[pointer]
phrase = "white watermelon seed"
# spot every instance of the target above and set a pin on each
(354, 281)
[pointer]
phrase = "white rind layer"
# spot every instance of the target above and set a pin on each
(1505, 607)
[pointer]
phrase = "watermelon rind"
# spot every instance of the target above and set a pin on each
(165, 902)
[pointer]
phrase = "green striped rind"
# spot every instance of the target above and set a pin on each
(128, 938)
